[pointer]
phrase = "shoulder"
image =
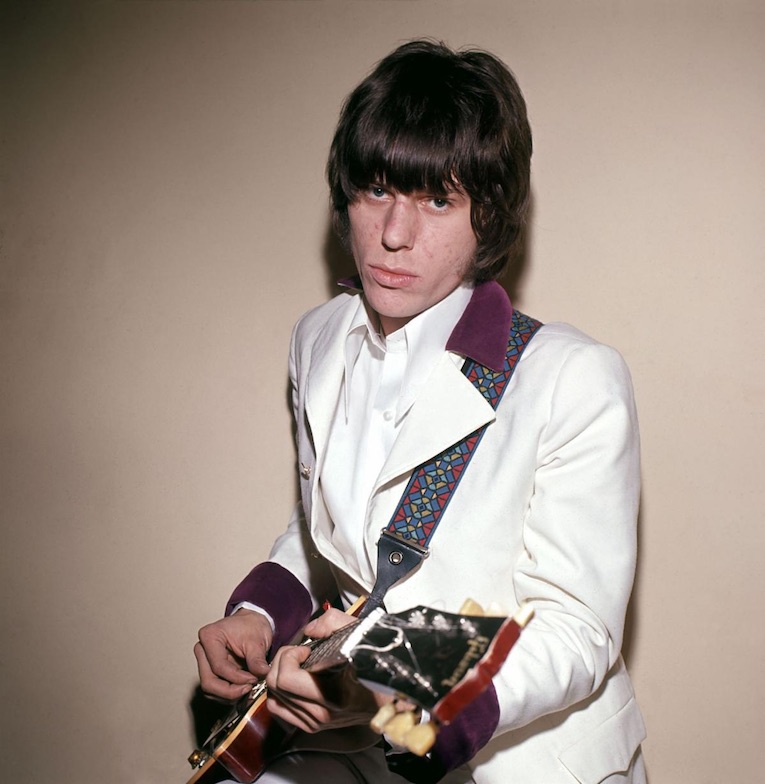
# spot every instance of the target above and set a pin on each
(561, 353)
(560, 336)
(324, 316)
(559, 341)
(327, 319)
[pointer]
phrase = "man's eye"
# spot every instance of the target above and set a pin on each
(440, 202)
(377, 191)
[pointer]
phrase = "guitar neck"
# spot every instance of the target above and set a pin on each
(328, 653)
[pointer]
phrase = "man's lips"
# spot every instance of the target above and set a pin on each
(391, 278)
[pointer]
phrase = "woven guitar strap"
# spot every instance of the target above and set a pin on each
(403, 545)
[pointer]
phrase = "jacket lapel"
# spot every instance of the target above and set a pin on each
(323, 384)
(325, 377)
(446, 410)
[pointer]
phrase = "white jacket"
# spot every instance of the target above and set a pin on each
(545, 513)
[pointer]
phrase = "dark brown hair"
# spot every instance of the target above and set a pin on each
(429, 118)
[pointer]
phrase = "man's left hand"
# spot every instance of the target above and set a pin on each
(303, 700)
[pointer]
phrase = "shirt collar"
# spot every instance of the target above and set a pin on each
(424, 338)
(359, 328)
(482, 331)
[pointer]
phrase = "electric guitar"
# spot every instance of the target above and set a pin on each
(436, 660)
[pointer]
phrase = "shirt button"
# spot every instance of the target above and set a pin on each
(387, 416)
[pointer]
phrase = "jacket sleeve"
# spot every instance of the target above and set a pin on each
(294, 582)
(456, 744)
(277, 591)
(578, 561)
(580, 539)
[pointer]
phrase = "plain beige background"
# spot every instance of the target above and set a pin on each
(164, 224)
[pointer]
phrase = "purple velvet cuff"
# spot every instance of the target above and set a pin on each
(457, 743)
(473, 728)
(280, 594)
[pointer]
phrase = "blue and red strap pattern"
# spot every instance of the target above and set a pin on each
(427, 495)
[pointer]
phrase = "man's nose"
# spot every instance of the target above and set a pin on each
(400, 226)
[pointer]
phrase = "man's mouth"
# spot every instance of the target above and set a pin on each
(391, 278)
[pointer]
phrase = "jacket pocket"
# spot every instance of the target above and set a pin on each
(607, 749)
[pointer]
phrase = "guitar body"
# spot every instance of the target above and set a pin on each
(247, 738)
(242, 744)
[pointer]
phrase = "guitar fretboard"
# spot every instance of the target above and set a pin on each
(326, 653)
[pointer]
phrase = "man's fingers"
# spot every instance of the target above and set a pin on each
(286, 674)
(257, 664)
(306, 716)
(235, 649)
(221, 661)
(293, 695)
(328, 622)
(215, 686)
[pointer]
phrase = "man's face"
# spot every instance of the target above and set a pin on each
(411, 250)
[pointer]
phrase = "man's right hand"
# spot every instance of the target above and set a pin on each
(231, 654)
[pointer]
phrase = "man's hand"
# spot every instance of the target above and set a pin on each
(231, 654)
(317, 702)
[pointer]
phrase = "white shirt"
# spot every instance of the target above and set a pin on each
(383, 376)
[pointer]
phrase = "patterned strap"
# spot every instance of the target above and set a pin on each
(429, 490)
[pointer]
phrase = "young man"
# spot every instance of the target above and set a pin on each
(429, 180)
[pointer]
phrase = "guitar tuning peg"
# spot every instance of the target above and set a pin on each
(420, 739)
(523, 615)
(403, 729)
(398, 727)
(471, 607)
(382, 717)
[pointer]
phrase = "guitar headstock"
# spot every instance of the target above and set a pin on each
(420, 654)
(437, 660)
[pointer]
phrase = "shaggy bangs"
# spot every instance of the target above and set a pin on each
(403, 145)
